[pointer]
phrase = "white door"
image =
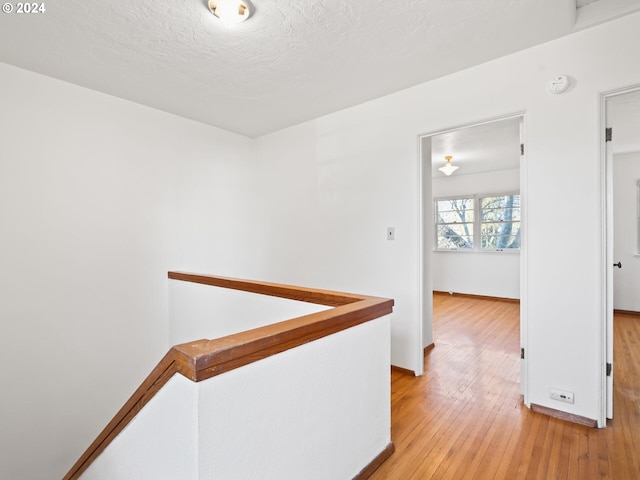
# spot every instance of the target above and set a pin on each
(609, 265)
(622, 171)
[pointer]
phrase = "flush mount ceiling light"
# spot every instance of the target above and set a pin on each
(448, 169)
(230, 12)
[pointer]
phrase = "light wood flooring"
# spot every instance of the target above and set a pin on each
(464, 418)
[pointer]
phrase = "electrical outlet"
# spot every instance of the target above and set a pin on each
(561, 395)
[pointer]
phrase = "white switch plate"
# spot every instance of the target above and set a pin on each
(391, 233)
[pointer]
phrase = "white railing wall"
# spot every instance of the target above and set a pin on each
(280, 382)
(317, 411)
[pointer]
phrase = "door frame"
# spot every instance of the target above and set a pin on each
(606, 190)
(426, 239)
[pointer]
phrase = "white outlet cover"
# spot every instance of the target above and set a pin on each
(561, 395)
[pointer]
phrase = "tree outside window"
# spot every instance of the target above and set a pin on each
(455, 223)
(500, 227)
(496, 228)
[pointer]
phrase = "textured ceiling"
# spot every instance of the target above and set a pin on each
(292, 61)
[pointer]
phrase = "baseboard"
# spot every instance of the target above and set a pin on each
(373, 465)
(479, 297)
(570, 417)
(404, 371)
(626, 312)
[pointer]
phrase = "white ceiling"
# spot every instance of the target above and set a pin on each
(582, 3)
(292, 61)
(623, 115)
(482, 148)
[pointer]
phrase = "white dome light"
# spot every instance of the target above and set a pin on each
(230, 12)
(448, 169)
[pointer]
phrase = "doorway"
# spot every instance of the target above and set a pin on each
(482, 256)
(622, 198)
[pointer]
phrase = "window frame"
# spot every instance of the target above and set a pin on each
(477, 223)
(473, 224)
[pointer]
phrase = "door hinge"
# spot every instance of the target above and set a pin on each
(608, 134)
(522, 149)
(522, 353)
(609, 368)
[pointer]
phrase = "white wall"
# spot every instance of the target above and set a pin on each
(161, 442)
(317, 411)
(494, 274)
(98, 197)
(204, 312)
(355, 172)
(626, 281)
(331, 189)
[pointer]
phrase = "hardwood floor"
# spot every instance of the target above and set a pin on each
(464, 418)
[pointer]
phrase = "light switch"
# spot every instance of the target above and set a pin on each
(391, 233)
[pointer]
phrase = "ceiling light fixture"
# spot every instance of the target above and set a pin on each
(448, 169)
(230, 12)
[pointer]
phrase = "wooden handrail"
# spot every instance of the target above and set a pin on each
(203, 359)
(309, 295)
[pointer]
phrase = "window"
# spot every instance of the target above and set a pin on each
(500, 227)
(495, 228)
(454, 223)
